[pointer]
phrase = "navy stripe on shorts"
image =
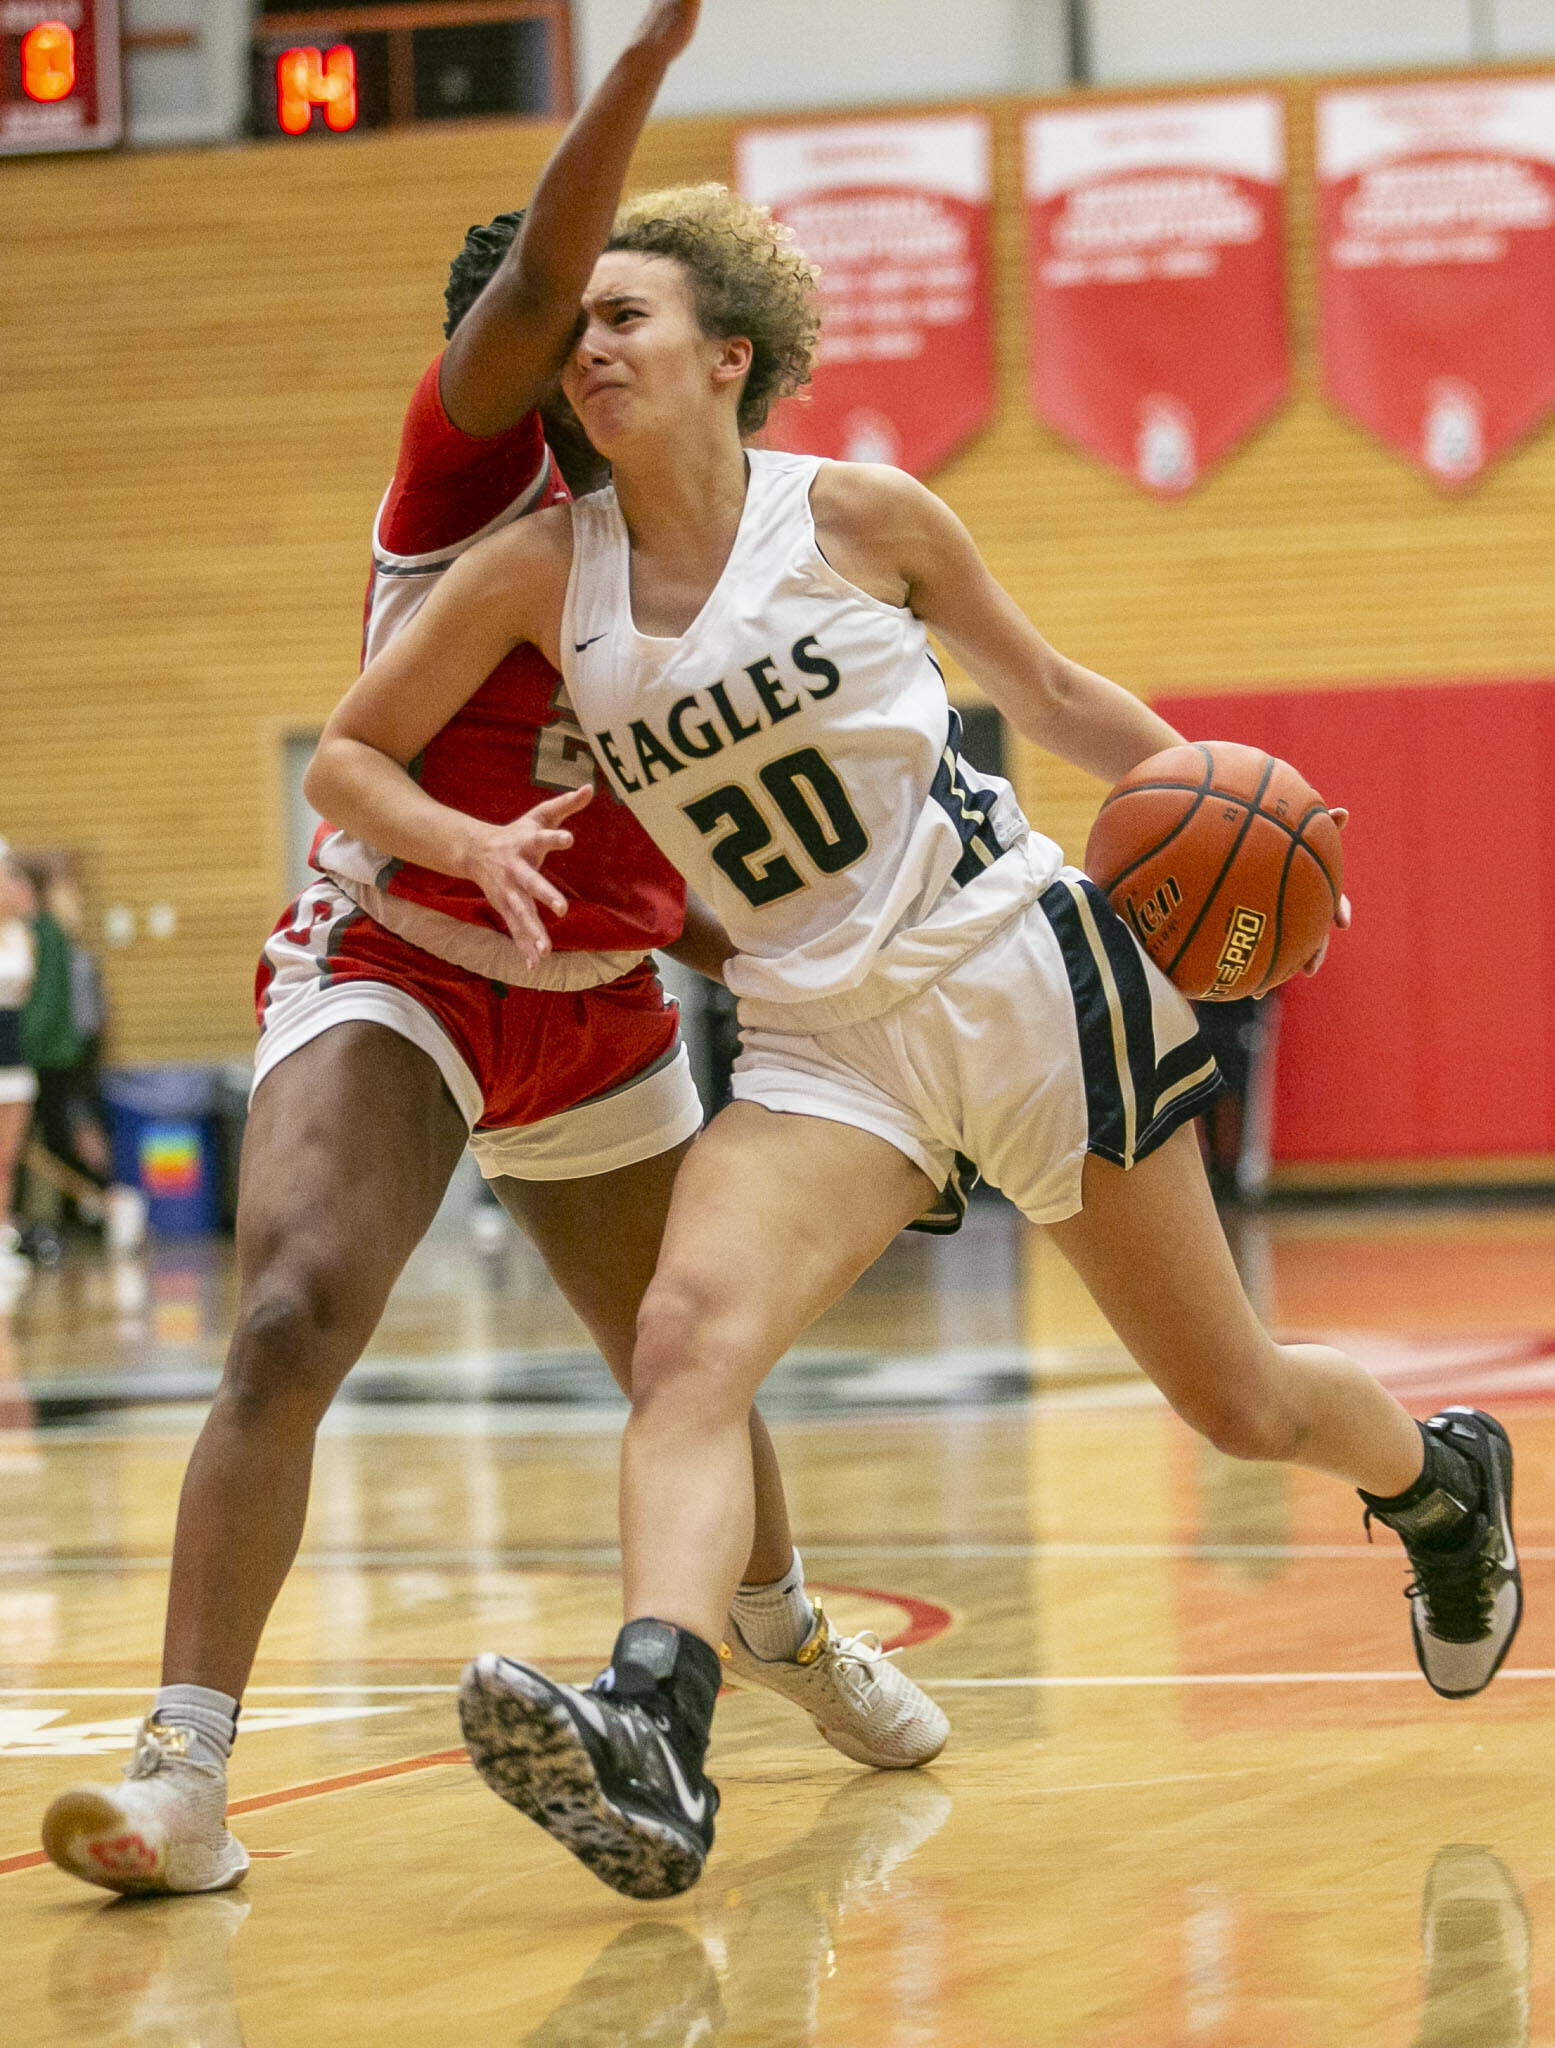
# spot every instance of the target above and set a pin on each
(1134, 1100)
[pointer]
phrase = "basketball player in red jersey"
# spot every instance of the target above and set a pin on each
(401, 1018)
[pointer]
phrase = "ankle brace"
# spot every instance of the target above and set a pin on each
(676, 1670)
(1433, 1510)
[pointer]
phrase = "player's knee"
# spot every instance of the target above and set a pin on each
(1239, 1410)
(691, 1334)
(295, 1339)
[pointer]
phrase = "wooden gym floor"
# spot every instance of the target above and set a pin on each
(1196, 1792)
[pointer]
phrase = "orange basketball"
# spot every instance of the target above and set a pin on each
(1226, 864)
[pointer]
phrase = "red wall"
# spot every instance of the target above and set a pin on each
(1430, 1033)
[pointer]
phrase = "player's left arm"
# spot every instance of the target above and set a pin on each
(505, 353)
(895, 539)
(884, 531)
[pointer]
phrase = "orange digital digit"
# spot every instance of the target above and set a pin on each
(307, 78)
(48, 62)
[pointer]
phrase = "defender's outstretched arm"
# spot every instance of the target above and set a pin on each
(506, 351)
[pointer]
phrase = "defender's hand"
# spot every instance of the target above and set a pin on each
(669, 26)
(1341, 818)
(507, 867)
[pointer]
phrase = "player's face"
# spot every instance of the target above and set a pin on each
(642, 367)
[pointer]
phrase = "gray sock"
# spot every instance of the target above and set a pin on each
(210, 1719)
(775, 1619)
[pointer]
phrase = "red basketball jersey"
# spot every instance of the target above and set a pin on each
(516, 740)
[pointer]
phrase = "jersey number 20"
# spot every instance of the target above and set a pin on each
(805, 788)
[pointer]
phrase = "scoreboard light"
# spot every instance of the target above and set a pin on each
(59, 75)
(308, 78)
(49, 61)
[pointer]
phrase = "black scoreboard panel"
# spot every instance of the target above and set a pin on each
(59, 76)
(324, 71)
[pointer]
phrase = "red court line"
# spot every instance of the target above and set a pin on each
(289, 1794)
(925, 1618)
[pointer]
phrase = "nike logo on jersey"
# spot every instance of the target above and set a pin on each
(578, 646)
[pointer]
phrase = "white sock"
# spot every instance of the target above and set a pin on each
(775, 1619)
(210, 1719)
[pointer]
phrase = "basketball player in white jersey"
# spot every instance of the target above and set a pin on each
(743, 638)
(399, 1019)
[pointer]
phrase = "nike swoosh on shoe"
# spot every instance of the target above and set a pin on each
(695, 1809)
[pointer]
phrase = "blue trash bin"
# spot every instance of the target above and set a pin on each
(162, 1125)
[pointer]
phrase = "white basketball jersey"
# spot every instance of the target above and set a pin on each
(794, 754)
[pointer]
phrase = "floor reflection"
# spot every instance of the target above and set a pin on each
(768, 1934)
(747, 1966)
(153, 1972)
(750, 1962)
(1478, 1946)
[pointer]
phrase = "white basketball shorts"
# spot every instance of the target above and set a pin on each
(1056, 1037)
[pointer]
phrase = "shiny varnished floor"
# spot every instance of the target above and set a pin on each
(1196, 1792)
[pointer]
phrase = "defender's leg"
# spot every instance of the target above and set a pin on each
(349, 1148)
(600, 1240)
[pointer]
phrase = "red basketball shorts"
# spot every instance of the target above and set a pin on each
(554, 1085)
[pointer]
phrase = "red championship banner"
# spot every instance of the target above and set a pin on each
(1438, 264)
(896, 213)
(1155, 269)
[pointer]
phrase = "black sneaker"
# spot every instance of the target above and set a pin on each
(1466, 1601)
(597, 1772)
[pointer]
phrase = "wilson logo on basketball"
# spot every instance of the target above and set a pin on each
(1148, 916)
(1236, 955)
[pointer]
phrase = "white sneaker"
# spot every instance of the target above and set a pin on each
(861, 1702)
(163, 1830)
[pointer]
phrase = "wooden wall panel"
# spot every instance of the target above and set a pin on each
(204, 358)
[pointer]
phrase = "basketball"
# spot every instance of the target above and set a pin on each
(1225, 862)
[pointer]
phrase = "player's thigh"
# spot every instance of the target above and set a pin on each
(350, 1145)
(600, 1239)
(1150, 1249)
(774, 1216)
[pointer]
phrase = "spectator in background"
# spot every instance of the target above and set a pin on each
(62, 1030)
(18, 1084)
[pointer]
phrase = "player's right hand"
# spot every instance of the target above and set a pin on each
(668, 27)
(507, 868)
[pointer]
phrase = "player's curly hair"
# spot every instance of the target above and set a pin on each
(472, 269)
(748, 277)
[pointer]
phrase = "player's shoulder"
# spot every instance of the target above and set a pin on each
(875, 524)
(858, 497)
